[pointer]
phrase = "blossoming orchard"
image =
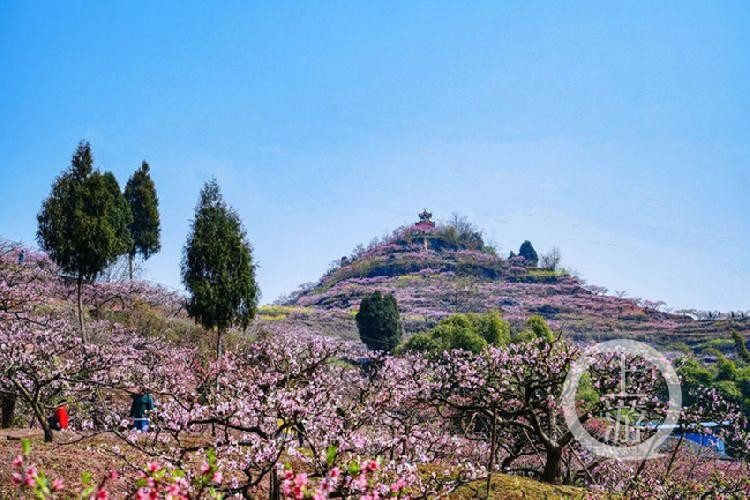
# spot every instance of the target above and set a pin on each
(288, 413)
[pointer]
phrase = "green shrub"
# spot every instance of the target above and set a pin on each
(470, 332)
(420, 342)
(535, 328)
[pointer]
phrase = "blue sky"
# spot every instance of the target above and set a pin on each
(619, 133)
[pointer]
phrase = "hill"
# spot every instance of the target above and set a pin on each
(435, 270)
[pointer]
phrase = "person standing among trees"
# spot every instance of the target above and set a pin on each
(140, 408)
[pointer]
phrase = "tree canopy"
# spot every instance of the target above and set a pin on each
(469, 332)
(217, 266)
(83, 223)
(144, 227)
(527, 252)
(378, 322)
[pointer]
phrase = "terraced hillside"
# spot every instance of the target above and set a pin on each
(436, 270)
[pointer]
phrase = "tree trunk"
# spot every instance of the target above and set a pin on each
(42, 419)
(130, 266)
(493, 439)
(8, 408)
(553, 466)
(79, 287)
(273, 490)
(218, 343)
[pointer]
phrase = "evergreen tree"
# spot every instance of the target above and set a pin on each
(145, 229)
(527, 252)
(82, 225)
(378, 322)
(217, 266)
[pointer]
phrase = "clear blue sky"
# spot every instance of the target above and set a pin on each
(619, 133)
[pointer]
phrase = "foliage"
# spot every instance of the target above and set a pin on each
(378, 322)
(83, 223)
(144, 228)
(217, 266)
(470, 332)
(739, 342)
(528, 253)
(536, 328)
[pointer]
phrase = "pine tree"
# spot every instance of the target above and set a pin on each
(217, 267)
(528, 253)
(378, 322)
(145, 229)
(82, 225)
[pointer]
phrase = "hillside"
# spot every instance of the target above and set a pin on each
(439, 269)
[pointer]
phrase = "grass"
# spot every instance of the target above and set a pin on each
(546, 273)
(504, 486)
(280, 313)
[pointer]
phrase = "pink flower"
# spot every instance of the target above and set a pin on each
(152, 466)
(372, 466)
(16, 478)
(102, 495)
(113, 474)
(301, 479)
(18, 461)
(362, 481)
(57, 485)
(335, 472)
(289, 475)
(217, 477)
(205, 468)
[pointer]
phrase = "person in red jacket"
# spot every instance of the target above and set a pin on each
(59, 420)
(62, 416)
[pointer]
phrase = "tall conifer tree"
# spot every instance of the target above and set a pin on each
(82, 225)
(217, 266)
(145, 227)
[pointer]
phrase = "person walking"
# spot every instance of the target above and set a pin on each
(140, 408)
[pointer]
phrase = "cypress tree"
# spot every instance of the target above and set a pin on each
(217, 266)
(145, 229)
(378, 322)
(82, 225)
(527, 252)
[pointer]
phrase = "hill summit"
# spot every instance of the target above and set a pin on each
(437, 269)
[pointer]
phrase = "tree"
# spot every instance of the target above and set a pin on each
(378, 322)
(551, 260)
(217, 266)
(535, 328)
(528, 253)
(739, 343)
(83, 222)
(470, 332)
(140, 194)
